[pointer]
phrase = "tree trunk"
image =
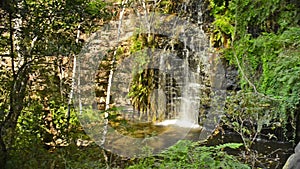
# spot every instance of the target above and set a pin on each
(73, 80)
(297, 120)
(18, 83)
(107, 101)
(8, 126)
(3, 153)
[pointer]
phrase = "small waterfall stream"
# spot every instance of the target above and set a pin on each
(189, 99)
(189, 106)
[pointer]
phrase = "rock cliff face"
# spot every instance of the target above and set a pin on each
(181, 53)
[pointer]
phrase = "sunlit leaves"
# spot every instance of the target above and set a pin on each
(272, 63)
(187, 154)
(96, 8)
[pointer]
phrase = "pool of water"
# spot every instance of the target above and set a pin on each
(128, 137)
(264, 153)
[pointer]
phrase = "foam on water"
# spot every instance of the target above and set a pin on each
(180, 123)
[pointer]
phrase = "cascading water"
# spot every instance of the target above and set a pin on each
(189, 106)
(189, 100)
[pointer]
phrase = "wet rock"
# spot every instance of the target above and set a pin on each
(293, 161)
(232, 81)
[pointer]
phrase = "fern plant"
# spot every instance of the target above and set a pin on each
(188, 154)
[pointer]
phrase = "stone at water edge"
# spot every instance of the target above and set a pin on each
(297, 148)
(293, 161)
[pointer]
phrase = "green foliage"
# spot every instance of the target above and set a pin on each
(169, 6)
(35, 88)
(36, 131)
(60, 120)
(248, 113)
(271, 62)
(265, 16)
(187, 154)
(5, 78)
(223, 29)
(143, 78)
(89, 157)
(71, 156)
(266, 52)
(96, 8)
(234, 19)
(223, 24)
(281, 61)
(42, 124)
(140, 90)
(266, 44)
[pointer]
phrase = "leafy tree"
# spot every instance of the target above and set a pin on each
(41, 38)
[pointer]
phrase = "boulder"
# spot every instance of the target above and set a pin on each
(293, 161)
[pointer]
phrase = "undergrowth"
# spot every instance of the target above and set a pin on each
(188, 154)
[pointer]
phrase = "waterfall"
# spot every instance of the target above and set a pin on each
(188, 100)
(172, 85)
(189, 105)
